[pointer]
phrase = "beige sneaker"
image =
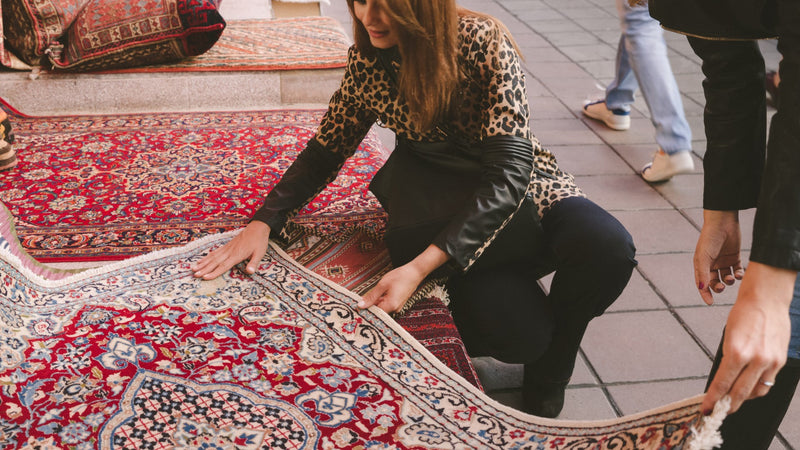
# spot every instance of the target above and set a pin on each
(665, 166)
(616, 119)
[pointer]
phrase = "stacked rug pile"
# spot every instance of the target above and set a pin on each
(102, 34)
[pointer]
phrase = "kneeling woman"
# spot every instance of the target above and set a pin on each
(469, 191)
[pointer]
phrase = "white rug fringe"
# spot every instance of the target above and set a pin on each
(441, 293)
(708, 436)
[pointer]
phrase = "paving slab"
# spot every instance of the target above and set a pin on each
(659, 230)
(706, 322)
(551, 107)
(587, 403)
(588, 159)
(633, 398)
(563, 131)
(685, 191)
(621, 192)
(672, 277)
(642, 346)
(638, 296)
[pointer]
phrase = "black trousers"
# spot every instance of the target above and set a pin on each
(753, 426)
(500, 309)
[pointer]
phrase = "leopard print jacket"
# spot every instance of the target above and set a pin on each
(494, 102)
(494, 97)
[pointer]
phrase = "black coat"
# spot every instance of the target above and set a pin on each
(738, 175)
(718, 19)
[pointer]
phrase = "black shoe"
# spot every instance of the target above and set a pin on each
(543, 399)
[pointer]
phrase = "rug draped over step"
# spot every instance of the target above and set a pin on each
(297, 43)
(140, 354)
(112, 186)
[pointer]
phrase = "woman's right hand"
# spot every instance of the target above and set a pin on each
(756, 338)
(250, 244)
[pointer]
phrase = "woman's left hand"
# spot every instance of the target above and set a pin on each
(394, 288)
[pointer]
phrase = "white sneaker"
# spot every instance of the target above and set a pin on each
(665, 166)
(616, 119)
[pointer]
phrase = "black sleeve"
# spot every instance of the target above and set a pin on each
(507, 166)
(313, 169)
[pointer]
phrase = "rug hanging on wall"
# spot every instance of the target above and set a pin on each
(297, 43)
(112, 186)
(140, 354)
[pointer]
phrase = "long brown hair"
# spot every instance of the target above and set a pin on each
(428, 44)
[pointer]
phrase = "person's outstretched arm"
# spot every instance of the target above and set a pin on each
(341, 130)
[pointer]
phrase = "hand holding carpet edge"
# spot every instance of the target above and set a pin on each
(756, 336)
(396, 287)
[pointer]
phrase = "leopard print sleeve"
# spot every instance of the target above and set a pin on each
(341, 130)
(504, 103)
(347, 119)
(498, 84)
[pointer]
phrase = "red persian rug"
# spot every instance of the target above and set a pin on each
(112, 186)
(140, 354)
(295, 43)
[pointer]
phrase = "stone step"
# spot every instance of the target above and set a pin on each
(86, 93)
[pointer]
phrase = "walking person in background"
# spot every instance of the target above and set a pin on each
(469, 191)
(758, 362)
(642, 64)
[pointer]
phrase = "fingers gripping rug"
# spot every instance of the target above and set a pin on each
(141, 355)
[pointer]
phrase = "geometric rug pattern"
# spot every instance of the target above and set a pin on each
(140, 354)
(357, 263)
(106, 187)
(295, 43)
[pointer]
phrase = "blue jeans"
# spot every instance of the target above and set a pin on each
(642, 63)
(794, 313)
